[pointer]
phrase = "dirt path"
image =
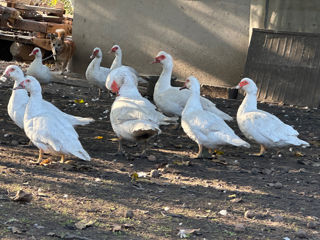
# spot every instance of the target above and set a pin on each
(281, 189)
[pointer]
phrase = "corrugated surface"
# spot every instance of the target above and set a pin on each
(285, 67)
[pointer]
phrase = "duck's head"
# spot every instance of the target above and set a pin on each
(118, 77)
(248, 85)
(14, 72)
(163, 58)
(36, 52)
(115, 49)
(96, 53)
(30, 84)
(191, 83)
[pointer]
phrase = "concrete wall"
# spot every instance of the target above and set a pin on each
(207, 38)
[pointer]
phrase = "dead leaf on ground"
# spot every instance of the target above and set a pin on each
(46, 162)
(183, 233)
(299, 154)
(84, 224)
(15, 230)
(22, 196)
(182, 163)
(120, 227)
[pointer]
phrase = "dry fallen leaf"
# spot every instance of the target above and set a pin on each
(79, 101)
(46, 162)
(183, 233)
(84, 224)
(21, 196)
(98, 137)
(134, 177)
(298, 154)
(118, 227)
(218, 152)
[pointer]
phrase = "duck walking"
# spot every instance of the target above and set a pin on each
(132, 116)
(263, 127)
(47, 130)
(169, 99)
(204, 127)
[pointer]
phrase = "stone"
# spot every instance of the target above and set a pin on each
(239, 227)
(301, 234)
(155, 173)
(249, 214)
(129, 214)
(312, 225)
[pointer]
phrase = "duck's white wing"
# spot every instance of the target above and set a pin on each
(172, 100)
(47, 131)
(126, 109)
(211, 107)
(209, 126)
(73, 120)
(263, 125)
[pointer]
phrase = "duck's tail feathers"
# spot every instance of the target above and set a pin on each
(169, 120)
(239, 143)
(82, 121)
(82, 154)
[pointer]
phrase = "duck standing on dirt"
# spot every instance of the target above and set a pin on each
(169, 99)
(19, 98)
(36, 69)
(47, 129)
(95, 73)
(132, 116)
(260, 126)
(204, 127)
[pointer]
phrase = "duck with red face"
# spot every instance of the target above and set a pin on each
(205, 128)
(260, 126)
(169, 99)
(95, 73)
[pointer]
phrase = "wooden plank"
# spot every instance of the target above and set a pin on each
(57, 11)
(42, 27)
(42, 43)
(18, 38)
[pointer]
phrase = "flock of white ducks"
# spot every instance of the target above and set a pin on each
(134, 117)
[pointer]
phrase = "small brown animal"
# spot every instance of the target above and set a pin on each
(62, 49)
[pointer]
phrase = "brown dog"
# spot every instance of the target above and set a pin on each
(62, 49)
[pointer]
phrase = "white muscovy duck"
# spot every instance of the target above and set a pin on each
(132, 116)
(95, 73)
(19, 99)
(172, 101)
(204, 127)
(117, 62)
(260, 126)
(36, 69)
(47, 130)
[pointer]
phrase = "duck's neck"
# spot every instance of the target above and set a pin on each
(33, 108)
(37, 60)
(129, 89)
(117, 62)
(193, 102)
(164, 81)
(96, 62)
(248, 104)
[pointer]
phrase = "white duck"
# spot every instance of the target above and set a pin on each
(95, 73)
(117, 62)
(133, 117)
(204, 127)
(118, 76)
(260, 126)
(36, 69)
(172, 101)
(19, 99)
(47, 129)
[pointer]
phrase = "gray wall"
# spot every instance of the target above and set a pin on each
(207, 38)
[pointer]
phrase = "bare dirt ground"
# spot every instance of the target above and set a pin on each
(231, 196)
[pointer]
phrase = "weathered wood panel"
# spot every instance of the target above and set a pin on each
(285, 66)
